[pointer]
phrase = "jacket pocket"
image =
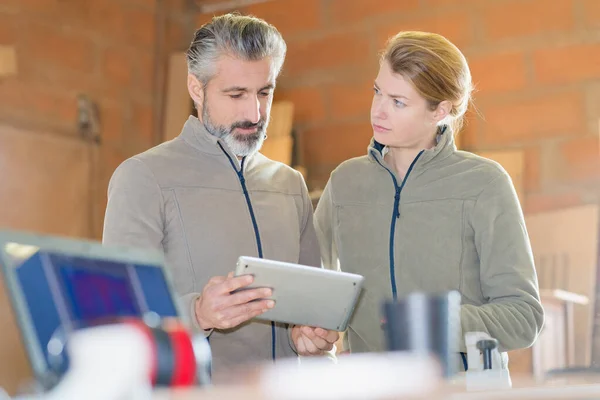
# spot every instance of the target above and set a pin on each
(429, 246)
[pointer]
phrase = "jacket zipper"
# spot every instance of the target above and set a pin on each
(396, 216)
(242, 179)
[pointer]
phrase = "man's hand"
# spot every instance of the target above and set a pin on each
(313, 341)
(218, 308)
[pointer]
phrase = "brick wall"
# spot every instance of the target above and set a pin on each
(105, 49)
(536, 64)
(538, 80)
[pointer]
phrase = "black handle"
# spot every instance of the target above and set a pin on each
(486, 346)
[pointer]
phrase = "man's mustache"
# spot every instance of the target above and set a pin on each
(248, 125)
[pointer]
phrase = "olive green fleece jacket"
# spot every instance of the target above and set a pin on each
(452, 223)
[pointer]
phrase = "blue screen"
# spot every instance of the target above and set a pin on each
(96, 294)
(41, 307)
(91, 290)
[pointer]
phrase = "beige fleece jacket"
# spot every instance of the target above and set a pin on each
(194, 200)
(453, 223)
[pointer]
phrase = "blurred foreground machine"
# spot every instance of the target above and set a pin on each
(103, 323)
(98, 322)
(429, 324)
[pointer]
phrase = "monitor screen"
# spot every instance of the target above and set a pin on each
(64, 292)
(95, 293)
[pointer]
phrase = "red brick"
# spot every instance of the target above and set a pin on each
(8, 29)
(177, 39)
(53, 47)
(151, 4)
(334, 143)
(108, 19)
(349, 12)
(144, 67)
(68, 81)
(309, 105)
(567, 64)
(498, 73)
(340, 50)
(143, 124)
(117, 66)
(112, 122)
(543, 116)
(39, 6)
(592, 13)
(141, 27)
(450, 3)
(468, 138)
(517, 18)
(10, 5)
(531, 173)
(348, 100)
(581, 158)
(38, 101)
(59, 12)
(537, 203)
(174, 5)
(455, 26)
(202, 19)
(289, 16)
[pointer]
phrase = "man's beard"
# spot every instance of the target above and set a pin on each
(241, 144)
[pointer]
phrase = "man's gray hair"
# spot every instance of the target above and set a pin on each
(245, 37)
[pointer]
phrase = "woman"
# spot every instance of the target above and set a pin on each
(415, 214)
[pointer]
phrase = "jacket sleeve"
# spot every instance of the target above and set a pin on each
(134, 212)
(309, 246)
(513, 314)
(324, 223)
(135, 216)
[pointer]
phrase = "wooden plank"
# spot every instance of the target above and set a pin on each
(282, 119)
(46, 189)
(280, 143)
(278, 149)
(178, 104)
(45, 183)
(8, 61)
(570, 235)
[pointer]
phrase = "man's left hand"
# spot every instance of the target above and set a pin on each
(311, 341)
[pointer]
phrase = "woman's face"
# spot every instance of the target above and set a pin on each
(400, 116)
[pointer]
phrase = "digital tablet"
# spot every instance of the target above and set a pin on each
(304, 295)
(57, 285)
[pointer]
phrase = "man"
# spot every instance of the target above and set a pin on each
(208, 197)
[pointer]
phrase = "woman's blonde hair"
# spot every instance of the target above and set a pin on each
(435, 67)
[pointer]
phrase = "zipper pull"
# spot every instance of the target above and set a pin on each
(397, 202)
(241, 171)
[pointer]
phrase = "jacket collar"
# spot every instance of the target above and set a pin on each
(195, 134)
(445, 146)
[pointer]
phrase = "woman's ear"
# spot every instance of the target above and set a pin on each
(442, 111)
